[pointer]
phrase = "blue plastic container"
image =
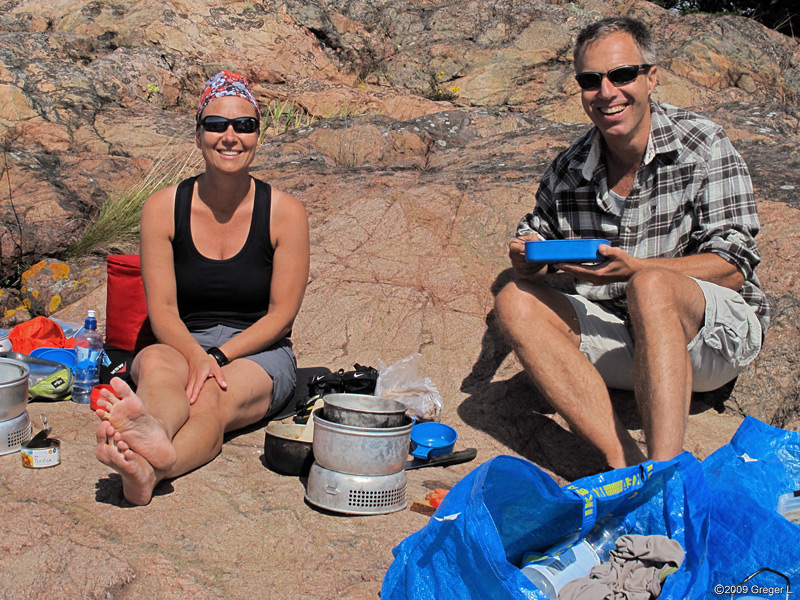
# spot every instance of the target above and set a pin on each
(555, 251)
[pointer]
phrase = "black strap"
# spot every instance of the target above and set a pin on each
(219, 356)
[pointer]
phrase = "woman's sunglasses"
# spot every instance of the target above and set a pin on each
(618, 76)
(216, 124)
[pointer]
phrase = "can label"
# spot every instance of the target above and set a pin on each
(39, 458)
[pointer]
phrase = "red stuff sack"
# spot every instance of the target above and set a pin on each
(39, 332)
(127, 325)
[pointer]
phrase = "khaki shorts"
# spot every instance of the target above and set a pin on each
(728, 341)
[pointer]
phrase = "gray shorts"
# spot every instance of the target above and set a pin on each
(728, 341)
(278, 361)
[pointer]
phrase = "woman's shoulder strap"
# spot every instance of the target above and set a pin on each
(187, 185)
(263, 190)
(263, 208)
(183, 203)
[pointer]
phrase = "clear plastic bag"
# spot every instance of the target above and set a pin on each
(401, 381)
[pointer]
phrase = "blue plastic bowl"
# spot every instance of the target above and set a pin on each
(65, 356)
(432, 439)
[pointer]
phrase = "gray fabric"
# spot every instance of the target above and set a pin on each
(278, 361)
(633, 571)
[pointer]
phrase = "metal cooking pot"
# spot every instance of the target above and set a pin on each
(360, 450)
(284, 452)
(359, 410)
(13, 388)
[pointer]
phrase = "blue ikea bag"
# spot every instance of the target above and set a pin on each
(747, 534)
(473, 544)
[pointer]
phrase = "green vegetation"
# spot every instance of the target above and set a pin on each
(117, 224)
(780, 15)
(437, 93)
(15, 279)
(347, 109)
(151, 90)
(281, 116)
(9, 136)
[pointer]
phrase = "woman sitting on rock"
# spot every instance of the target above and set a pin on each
(224, 280)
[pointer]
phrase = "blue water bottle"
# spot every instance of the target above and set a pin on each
(88, 350)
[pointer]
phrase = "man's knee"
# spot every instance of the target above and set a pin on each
(507, 300)
(532, 310)
(657, 294)
(518, 301)
(660, 288)
(650, 283)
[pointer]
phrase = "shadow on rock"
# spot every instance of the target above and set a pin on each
(514, 412)
(108, 490)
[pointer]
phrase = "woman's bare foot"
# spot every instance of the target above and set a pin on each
(138, 477)
(142, 433)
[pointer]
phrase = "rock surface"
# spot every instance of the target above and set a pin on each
(412, 189)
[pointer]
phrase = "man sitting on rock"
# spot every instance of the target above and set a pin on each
(675, 307)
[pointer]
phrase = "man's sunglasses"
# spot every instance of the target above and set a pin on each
(216, 124)
(618, 76)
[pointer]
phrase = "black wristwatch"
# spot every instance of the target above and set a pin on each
(219, 356)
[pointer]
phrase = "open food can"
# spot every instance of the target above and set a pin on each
(45, 454)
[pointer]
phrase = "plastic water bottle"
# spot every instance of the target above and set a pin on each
(88, 350)
(551, 572)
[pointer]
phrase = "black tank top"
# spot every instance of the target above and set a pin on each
(234, 291)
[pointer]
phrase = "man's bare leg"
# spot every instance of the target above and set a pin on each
(542, 328)
(667, 310)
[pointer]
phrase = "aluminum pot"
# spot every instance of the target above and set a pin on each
(359, 410)
(360, 450)
(13, 388)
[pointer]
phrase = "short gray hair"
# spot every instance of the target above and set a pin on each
(633, 27)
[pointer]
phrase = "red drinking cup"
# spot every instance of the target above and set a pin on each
(95, 395)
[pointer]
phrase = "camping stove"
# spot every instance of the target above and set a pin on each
(358, 470)
(13, 432)
(356, 494)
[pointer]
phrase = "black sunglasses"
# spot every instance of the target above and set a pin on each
(216, 124)
(618, 76)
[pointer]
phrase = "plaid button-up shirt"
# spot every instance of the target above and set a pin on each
(692, 194)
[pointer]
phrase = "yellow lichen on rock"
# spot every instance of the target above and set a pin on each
(32, 271)
(60, 270)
